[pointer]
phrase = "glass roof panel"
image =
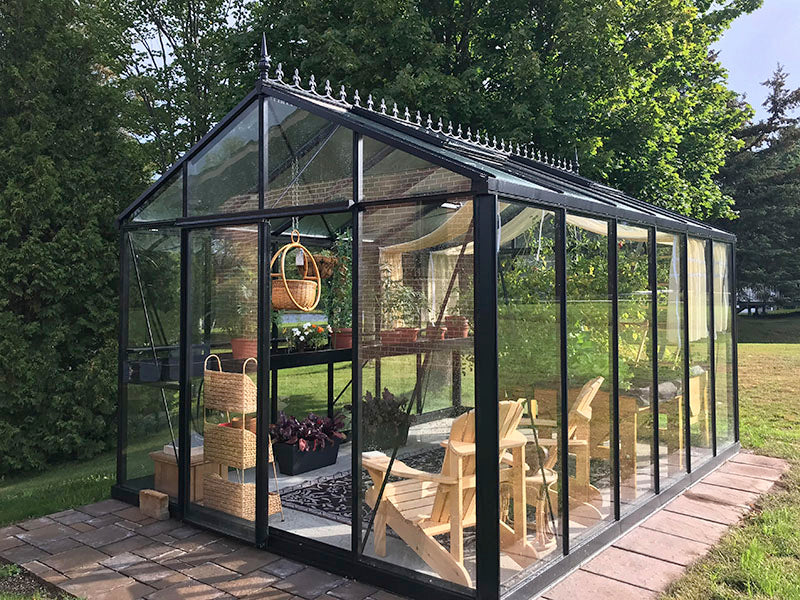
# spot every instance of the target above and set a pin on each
(166, 204)
(223, 176)
(392, 173)
(309, 159)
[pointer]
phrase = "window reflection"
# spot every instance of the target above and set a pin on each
(636, 396)
(589, 375)
(529, 373)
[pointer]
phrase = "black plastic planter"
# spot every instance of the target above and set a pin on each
(293, 461)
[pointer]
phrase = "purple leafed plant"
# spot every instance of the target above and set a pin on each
(310, 434)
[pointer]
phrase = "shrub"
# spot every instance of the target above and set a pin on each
(66, 168)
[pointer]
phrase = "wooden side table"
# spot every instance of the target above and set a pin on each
(166, 474)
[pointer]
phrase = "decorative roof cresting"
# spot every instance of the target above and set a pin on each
(427, 125)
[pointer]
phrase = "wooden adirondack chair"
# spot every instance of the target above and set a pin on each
(423, 505)
(578, 435)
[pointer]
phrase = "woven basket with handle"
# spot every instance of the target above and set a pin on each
(290, 294)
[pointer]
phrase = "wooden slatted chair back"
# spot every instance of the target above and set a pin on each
(463, 430)
(583, 405)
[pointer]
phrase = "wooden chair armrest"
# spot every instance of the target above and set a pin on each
(462, 448)
(514, 439)
(377, 461)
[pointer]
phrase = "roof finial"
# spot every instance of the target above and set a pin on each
(356, 99)
(577, 164)
(264, 61)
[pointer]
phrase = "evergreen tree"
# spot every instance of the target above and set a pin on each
(764, 179)
(65, 169)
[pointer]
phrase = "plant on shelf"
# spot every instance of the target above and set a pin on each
(385, 421)
(302, 446)
(237, 309)
(339, 295)
(308, 337)
(401, 306)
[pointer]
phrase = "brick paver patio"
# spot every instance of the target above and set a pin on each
(109, 550)
(641, 564)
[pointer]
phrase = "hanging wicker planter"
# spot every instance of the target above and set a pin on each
(302, 294)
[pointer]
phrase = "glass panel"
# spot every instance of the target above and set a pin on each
(670, 355)
(392, 173)
(723, 350)
(589, 375)
(415, 295)
(635, 365)
(315, 483)
(529, 372)
(167, 202)
(223, 177)
(699, 351)
(309, 159)
(223, 322)
(151, 371)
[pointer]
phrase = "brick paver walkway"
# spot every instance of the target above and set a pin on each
(642, 563)
(109, 550)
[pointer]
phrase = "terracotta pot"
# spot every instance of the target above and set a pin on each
(342, 338)
(435, 333)
(400, 335)
(244, 348)
(457, 326)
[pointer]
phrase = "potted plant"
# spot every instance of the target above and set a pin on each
(400, 304)
(385, 421)
(302, 446)
(432, 332)
(308, 337)
(326, 263)
(238, 310)
(339, 296)
(458, 324)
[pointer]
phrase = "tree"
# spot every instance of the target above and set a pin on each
(65, 167)
(630, 87)
(170, 59)
(764, 179)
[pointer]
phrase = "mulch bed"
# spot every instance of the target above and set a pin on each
(28, 585)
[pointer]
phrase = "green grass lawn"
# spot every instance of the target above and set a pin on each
(761, 557)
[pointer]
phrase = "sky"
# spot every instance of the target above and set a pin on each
(755, 44)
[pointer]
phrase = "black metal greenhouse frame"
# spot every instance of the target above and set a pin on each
(487, 190)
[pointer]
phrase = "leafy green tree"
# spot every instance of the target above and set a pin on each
(65, 168)
(170, 59)
(764, 179)
(630, 87)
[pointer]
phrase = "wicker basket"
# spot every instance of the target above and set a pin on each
(238, 499)
(326, 265)
(304, 292)
(230, 392)
(231, 446)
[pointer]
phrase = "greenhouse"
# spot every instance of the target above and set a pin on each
(373, 342)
